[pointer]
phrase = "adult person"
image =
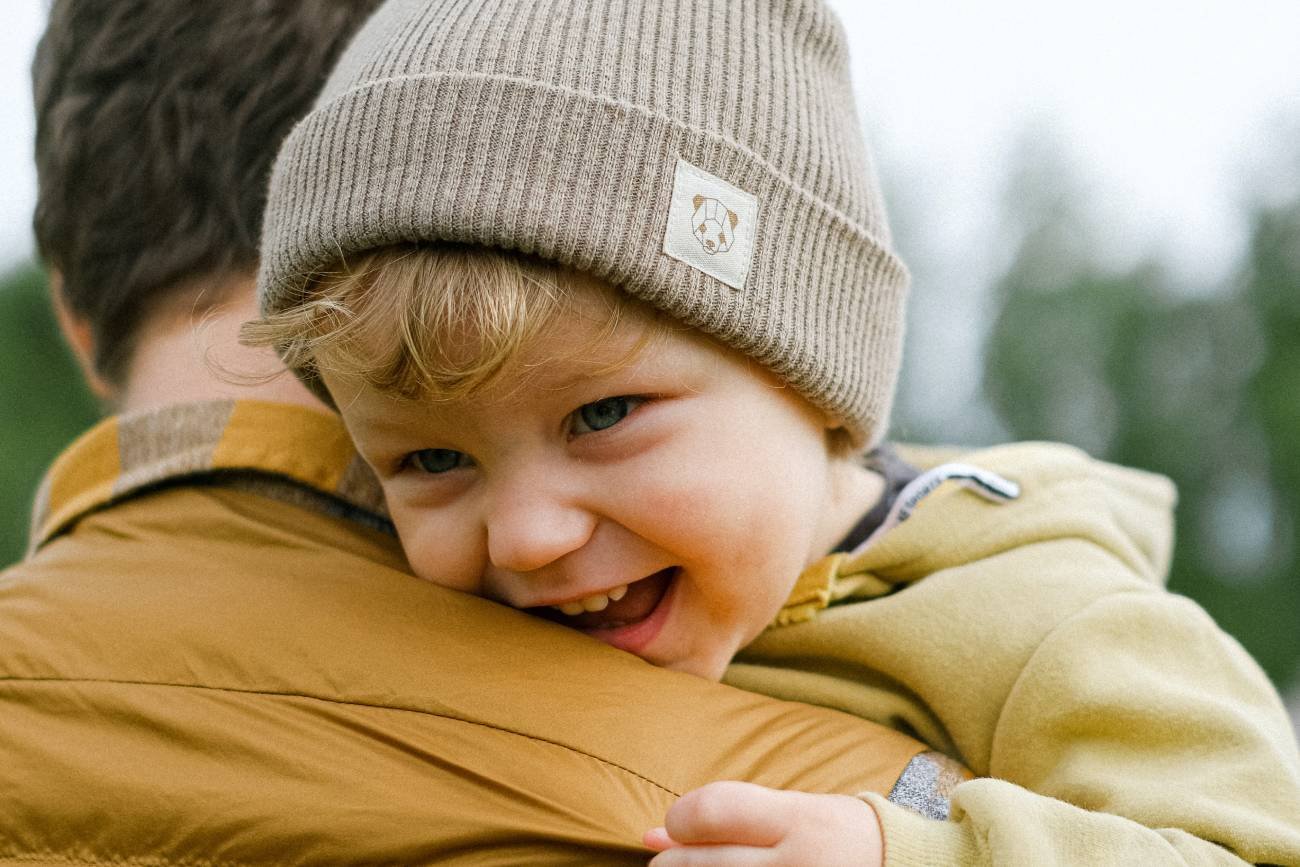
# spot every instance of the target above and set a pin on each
(214, 652)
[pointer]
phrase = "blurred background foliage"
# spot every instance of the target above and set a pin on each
(1204, 389)
(43, 402)
(1201, 386)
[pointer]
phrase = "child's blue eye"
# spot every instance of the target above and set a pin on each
(602, 414)
(437, 460)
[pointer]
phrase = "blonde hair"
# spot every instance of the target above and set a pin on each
(443, 321)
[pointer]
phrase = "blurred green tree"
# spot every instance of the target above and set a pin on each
(43, 403)
(1204, 389)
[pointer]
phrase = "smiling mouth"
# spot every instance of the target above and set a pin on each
(638, 603)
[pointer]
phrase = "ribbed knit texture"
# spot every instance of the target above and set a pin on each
(553, 127)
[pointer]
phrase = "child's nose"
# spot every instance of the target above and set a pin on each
(528, 530)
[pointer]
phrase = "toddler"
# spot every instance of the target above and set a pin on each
(606, 296)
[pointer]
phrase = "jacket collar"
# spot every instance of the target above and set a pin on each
(280, 450)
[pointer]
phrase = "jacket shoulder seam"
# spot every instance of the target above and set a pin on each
(310, 697)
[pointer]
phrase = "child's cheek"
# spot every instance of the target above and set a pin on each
(436, 551)
(686, 512)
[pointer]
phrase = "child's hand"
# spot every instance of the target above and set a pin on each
(744, 824)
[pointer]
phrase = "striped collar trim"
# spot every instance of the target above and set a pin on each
(126, 454)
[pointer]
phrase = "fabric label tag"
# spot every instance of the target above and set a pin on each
(711, 225)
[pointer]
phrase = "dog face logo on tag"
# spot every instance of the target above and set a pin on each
(713, 224)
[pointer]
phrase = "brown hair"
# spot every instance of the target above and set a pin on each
(441, 321)
(156, 125)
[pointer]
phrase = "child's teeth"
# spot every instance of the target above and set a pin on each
(594, 602)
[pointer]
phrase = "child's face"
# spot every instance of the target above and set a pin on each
(691, 478)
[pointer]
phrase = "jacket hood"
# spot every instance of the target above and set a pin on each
(1062, 493)
(970, 507)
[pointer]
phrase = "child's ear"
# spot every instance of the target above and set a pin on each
(834, 422)
(839, 439)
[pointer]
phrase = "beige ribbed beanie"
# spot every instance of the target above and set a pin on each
(703, 156)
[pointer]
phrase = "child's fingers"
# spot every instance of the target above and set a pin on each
(657, 839)
(715, 856)
(730, 812)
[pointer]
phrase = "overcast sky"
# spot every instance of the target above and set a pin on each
(1169, 110)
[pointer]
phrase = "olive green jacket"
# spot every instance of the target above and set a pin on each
(1032, 638)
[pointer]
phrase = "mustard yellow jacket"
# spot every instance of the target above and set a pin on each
(206, 661)
(1112, 722)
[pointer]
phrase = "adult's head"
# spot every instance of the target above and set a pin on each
(157, 123)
